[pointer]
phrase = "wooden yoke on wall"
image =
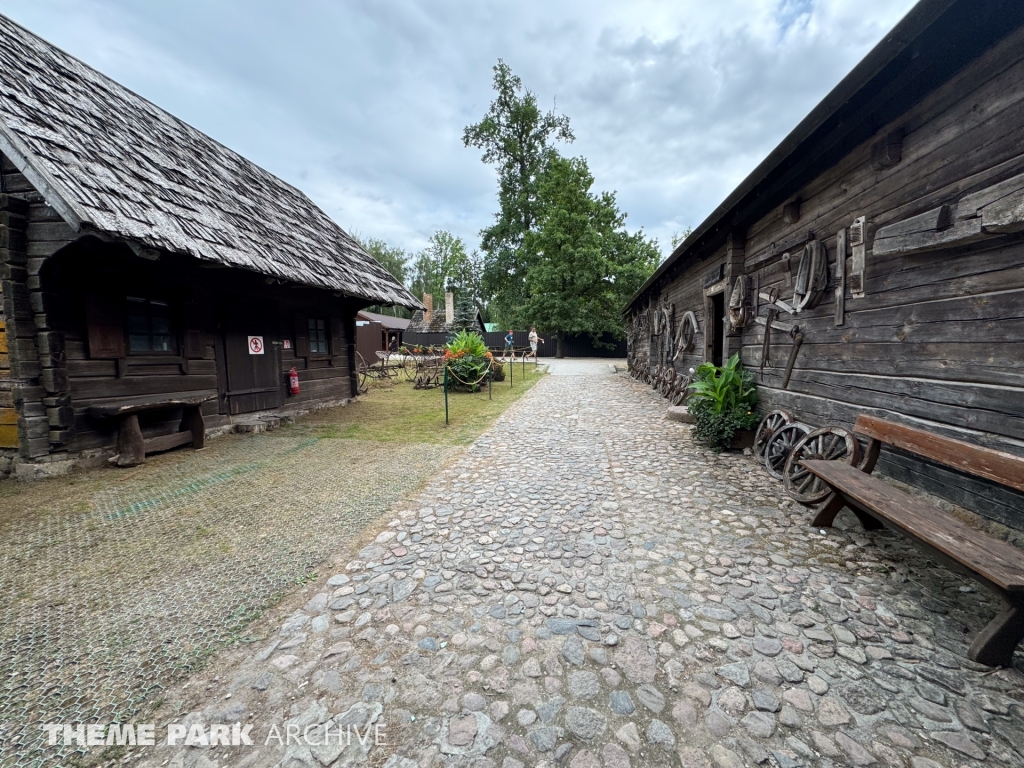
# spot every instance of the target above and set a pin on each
(735, 255)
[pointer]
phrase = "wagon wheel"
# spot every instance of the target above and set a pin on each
(682, 391)
(829, 443)
(769, 425)
(362, 371)
(409, 369)
(780, 445)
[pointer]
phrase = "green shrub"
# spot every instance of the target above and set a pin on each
(467, 361)
(722, 403)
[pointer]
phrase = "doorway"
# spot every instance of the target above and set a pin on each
(252, 358)
(716, 328)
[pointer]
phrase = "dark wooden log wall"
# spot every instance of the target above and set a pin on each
(937, 339)
(50, 379)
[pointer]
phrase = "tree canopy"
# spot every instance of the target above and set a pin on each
(516, 137)
(557, 255)
(585, 266)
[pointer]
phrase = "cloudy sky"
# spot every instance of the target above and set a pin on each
(362, 103)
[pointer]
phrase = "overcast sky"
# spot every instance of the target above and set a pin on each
(362, 103)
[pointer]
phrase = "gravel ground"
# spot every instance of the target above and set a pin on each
(119, 583)
(587, 587)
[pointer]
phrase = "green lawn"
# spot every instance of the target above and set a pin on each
(395, 412)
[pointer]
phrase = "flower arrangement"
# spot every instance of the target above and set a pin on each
(467, 360)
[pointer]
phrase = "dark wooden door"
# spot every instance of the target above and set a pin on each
(252, 355)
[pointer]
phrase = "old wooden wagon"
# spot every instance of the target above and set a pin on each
(156, 285)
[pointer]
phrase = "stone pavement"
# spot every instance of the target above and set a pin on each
(586, 587)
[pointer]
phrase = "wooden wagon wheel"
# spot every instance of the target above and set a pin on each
(829, 443)
(769, 425)
(685, 335)
(363, 372)
(668, 381)
(682, 392)
(781, 444)
(409, 369)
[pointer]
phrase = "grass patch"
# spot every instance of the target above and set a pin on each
(397, 413)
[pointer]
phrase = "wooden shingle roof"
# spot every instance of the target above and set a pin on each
(108, 160)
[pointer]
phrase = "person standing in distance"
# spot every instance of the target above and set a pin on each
(534, 341)
(509, 345)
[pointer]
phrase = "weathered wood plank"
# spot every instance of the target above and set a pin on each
(998, 466)
(994, 560)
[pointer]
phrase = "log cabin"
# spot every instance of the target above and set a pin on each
(157, 286)
(873, 263)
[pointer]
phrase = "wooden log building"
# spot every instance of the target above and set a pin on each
(883, 243)
(150, 273)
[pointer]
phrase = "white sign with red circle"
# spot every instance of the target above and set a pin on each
(255, 345)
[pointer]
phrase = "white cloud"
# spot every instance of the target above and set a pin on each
(362, 104)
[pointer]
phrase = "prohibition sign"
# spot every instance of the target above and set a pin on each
(255, 345)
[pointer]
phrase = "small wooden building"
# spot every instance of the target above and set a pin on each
(146, 268)
(882, 242)
(430, 328)
(375, 331)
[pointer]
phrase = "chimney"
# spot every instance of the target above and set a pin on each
(428, 302)
(449, 308)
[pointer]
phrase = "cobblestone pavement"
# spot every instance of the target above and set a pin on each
(119, 583)
(586, 587)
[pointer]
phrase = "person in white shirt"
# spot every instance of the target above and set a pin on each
(534, 341)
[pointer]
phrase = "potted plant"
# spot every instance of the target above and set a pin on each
(467, 360)
(722, 404)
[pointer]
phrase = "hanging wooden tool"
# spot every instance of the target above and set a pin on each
(811, 277)
(739, 310)
(772, 297)
(766, 344)
(798, 340)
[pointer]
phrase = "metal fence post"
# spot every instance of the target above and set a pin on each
(446, 395)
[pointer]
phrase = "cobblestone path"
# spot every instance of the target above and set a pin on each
(117, 584)
(587, 587)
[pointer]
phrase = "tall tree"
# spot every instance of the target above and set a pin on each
(516, 137)
(395, 260)
(445, 265)
(586, 265)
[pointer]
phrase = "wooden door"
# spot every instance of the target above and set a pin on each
(252, 356)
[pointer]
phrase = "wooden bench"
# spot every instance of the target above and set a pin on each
(995, 563)
(132, 447)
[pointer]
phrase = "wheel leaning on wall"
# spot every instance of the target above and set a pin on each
(781, 444)
(828, 443)
(769, 425)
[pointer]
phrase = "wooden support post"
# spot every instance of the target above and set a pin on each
(995, 645)
(193, 422)
(130, 443)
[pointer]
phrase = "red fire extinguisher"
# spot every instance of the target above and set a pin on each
(293, 381)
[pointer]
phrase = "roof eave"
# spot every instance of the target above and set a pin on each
(12, 146)
(917, 19)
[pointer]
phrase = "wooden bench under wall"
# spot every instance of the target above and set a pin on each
(132, 447)
(876, 503)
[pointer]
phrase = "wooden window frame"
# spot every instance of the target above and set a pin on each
(175, 350)
(314, 333)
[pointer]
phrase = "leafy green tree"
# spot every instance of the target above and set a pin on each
(446, 265)
(395, 260)
(585, 266)
(516, 137)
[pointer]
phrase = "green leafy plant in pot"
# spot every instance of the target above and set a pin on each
(722, 403)
(467, 359)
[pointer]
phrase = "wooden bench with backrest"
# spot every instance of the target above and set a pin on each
(876, 503)
(132, 447)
